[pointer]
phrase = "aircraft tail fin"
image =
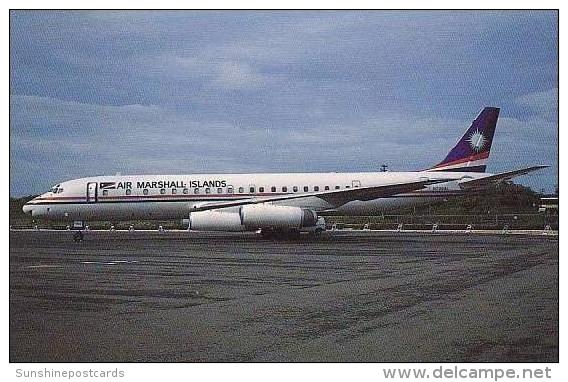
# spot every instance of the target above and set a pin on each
(471, 152)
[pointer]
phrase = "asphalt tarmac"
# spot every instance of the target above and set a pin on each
(346, 297)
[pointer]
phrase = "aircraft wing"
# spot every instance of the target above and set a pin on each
(336, 197)
(494, 179)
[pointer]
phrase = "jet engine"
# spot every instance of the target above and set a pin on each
(215, 221)
(270, 216)
(251, 217)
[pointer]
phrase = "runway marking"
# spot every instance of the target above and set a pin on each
(115, 262)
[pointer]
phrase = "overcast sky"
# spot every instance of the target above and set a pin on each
(136, 92)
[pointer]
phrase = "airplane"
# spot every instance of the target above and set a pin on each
(275, 203)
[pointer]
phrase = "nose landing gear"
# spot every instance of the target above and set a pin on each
(78, 236)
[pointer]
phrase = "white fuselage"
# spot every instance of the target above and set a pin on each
(173, 196)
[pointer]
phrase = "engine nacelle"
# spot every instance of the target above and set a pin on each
(253, 217)
(270, 216)
(215, 221)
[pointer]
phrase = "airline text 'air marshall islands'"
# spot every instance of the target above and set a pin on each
(290, 202)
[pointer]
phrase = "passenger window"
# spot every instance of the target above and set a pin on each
(185, 191)
(219, 190)
(251, 190)
(230, 190)
(105, 192)
(327, 188)
(128, 192)
(196, 190)
(145, 192)
(295, 188)
(306, 188)
(207, 190)
(174, 191)
(241, 190)
(261, 189)
(284, 189)
(316, 188)
(337, 187)
(162, 191)
(347, 186)
(273, 189)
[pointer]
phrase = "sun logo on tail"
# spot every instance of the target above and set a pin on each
(477, 141)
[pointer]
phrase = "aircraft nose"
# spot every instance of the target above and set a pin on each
(27, 208)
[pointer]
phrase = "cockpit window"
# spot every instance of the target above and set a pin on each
(55, 189)
(60, 190)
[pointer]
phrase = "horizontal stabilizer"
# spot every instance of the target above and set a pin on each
(494, 179)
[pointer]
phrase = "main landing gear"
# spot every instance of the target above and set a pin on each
(279, 234)
(290, 234)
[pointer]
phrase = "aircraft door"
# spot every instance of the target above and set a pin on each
(92, 192)
(356, 183)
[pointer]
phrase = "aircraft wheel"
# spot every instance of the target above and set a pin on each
(292, 234)
(78, 236)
